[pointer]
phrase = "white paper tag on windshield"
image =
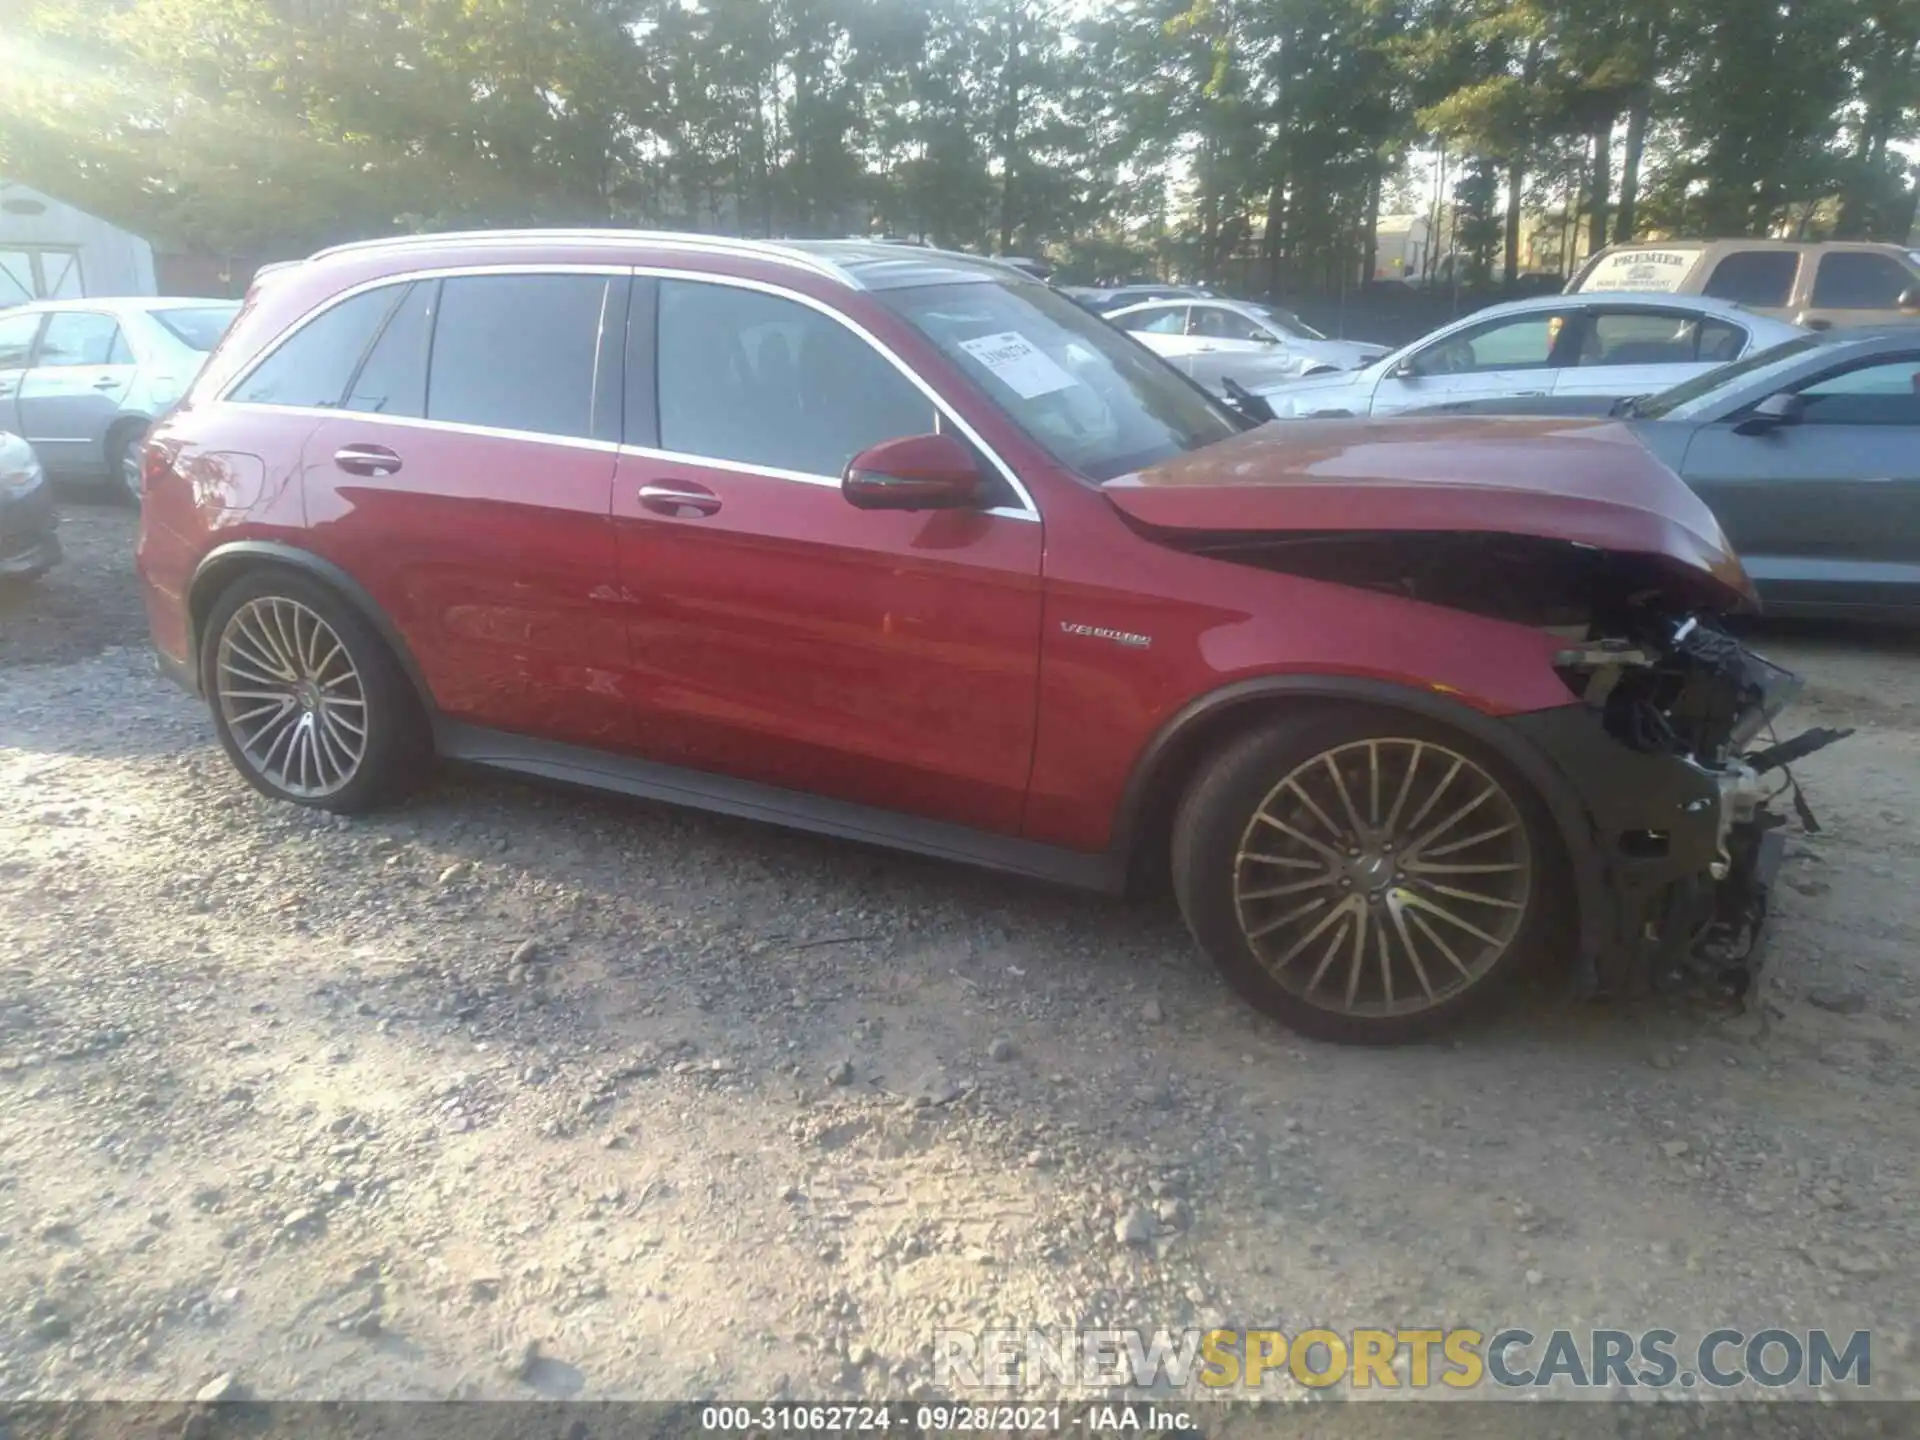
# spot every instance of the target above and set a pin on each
(1020, 365)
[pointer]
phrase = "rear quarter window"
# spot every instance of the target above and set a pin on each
(312, 366)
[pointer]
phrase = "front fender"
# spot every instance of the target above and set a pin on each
(1167, 759)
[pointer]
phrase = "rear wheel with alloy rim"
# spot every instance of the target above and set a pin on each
(310, 704)
(1365, 877)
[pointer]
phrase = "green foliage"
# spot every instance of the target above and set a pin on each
(1254, 141)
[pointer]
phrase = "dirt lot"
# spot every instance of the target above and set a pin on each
(517, 1091)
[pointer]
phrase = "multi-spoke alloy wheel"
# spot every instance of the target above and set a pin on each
(1382, 877)
(1361, 877)
(291, 697)
(310, 699)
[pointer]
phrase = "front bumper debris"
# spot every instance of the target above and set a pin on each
(1680, 854)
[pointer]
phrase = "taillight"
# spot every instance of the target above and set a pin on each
(153, 465)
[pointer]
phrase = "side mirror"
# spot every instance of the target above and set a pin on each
(915, 472)
(1267, 339)
(1406, 370)
(1909, 299)
(1771, 413)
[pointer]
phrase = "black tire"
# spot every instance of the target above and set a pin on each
(123, 480)
(395, 746)
(1251, 776)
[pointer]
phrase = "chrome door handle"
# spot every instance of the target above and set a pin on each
(106, 382)
(366, 460)
(672, 499)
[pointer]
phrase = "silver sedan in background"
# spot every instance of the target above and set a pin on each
(1213, 341)
(1599, 344)
(82, 380)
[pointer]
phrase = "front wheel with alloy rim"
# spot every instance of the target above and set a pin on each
(309, 702)
(1365, 877)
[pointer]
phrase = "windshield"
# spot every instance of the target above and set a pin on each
(1287, 321)
(199, 328)
(1096, 400)
(1687, 391)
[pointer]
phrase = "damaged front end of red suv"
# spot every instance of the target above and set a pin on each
(1664, 753)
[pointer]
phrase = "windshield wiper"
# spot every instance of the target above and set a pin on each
(1627, 407)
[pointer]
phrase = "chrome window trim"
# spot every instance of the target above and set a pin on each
(663, 239)
(415, 422)
(1026, 510)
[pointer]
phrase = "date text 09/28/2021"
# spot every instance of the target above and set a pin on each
(946, 1418)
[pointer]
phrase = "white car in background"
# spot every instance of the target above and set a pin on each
(83, 379)
(1253, 345)
(1599, 344)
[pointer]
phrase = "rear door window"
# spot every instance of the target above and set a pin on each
(82, 337)
(1860, 280)
(536, 352)
(1762, 278)
(1657, 337)
(312, 367)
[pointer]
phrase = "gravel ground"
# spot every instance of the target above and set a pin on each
(523, 1092)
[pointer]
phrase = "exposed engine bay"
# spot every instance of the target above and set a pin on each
(1678, 795)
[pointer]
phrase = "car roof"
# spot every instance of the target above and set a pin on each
(856, 264)
(1623, 299)
(1182, 299)
(1756, 242)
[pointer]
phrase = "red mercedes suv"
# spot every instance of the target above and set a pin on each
(905, 547)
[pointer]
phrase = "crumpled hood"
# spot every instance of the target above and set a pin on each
(1587, 482)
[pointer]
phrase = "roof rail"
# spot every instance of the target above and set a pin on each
(677, 239)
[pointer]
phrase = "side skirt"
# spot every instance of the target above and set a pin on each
(701, 790)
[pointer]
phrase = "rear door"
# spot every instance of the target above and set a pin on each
(1499, 358)
(464, 476)
(70, 398)
(1637, 350)
(1826, 512)
(17, 334)
(1857, 287)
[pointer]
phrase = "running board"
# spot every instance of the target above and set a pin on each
(701, 790)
